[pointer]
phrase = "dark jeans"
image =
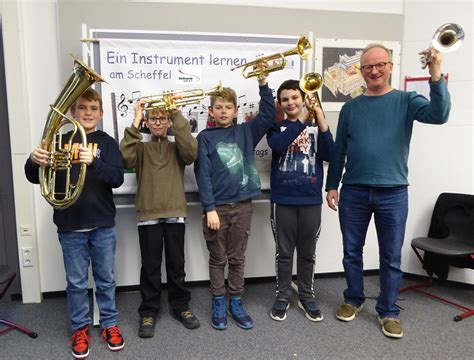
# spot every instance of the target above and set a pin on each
(295, 226)
(390, 209)
(228, 245)
(152, 238)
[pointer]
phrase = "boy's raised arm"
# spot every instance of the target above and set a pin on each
(185, 141)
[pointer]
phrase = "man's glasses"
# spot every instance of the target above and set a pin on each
(161, 120)
(379, 66)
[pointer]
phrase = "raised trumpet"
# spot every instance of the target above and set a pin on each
(174, 100)
(310, 83)
(260, 70)
(448, 37)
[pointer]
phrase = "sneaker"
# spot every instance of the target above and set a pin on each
(311, 310)
(279, 309)
(219, 313)
(348, 312)
(186, 318)
(146, 329)
(391, 327)
(113, 336)
(80, 343)
(239, 314)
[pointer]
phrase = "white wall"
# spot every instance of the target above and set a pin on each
(369, 6)
(32, 29)
(441, 157)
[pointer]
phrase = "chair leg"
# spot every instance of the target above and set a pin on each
(464, 315)
(468, 311)
(12, 326)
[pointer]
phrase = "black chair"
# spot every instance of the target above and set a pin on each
(6, 278)
(450, 242)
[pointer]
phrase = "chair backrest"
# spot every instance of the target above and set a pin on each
(453, 216)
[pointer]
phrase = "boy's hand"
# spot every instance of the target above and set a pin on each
(320, 119)
(86, 156)
(138, 117)
(332, 199)
(262, 77)
(39, 155)
(213, 222)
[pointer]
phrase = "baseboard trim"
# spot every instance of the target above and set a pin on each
(256, 280)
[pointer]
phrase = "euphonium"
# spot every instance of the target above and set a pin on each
(174, 100)
(310, 83)
(260, 70)
(61, 155)
(448, 37)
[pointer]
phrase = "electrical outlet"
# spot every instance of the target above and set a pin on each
(27, 255)
(25, 230)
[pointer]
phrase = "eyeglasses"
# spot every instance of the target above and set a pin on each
(161, 120)
(379, 66)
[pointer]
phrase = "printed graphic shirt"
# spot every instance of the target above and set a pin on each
(298, 152)
(225, 168)
(95, 206)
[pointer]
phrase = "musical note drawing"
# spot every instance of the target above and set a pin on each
(121, 106)
(135, 96)
(242, 104)
(204, 109)
(251, 105)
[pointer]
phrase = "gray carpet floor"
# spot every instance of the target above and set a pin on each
(430, 332)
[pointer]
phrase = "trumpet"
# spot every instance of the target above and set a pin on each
(169, 100)
(448, 37)
(260, 70)
(310, 83)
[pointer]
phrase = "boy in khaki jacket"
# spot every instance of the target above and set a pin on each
(161, 209)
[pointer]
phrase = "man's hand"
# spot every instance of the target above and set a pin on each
(39, 155)
(86, 156)
(434, 64)
(213, 222)
(332, 199)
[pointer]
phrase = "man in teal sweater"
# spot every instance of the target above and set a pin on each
(372, 144)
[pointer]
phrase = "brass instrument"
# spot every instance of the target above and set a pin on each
(310, 83)
(61, 155)
(173, 100)
(448, 37)
(260, 70)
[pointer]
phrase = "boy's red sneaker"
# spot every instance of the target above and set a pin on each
(113, 336)
(80, 343)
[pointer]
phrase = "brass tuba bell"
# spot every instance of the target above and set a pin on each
(310, 83)
(302, 49)
(61, 155)
(448, 37)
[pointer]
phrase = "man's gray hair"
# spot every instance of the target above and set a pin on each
(376, 45)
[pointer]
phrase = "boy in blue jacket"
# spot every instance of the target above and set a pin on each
(86, 229)
(298, 151)
(227, 179)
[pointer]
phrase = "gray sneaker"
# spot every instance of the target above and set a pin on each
(348, 312)
(146, 329)
(311, 310)
(279, 309)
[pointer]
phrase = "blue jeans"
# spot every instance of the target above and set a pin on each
(390, 209)
(79, 249)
